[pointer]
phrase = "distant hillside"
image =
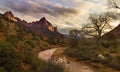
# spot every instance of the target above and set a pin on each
(113, 34)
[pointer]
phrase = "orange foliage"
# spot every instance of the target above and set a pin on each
(28, 36)
(26, 66)
(2, 37)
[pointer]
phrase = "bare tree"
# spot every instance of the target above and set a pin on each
(97, 25)
(114, 4)
(74, 35)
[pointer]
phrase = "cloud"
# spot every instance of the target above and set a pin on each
(66, 14)
(36, 7)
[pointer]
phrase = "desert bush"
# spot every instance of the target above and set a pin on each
(52, 67)
(86, 49)
(10, 59)
(2, 69)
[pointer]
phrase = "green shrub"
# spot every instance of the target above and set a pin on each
(2, 69)
(52, 67)
(10, 59)
(86, 49)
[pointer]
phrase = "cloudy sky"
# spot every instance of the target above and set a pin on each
(65, 14)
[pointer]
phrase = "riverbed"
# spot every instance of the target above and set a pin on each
(71, 66)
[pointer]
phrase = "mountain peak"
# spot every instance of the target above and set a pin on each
(9, 13)
(10, 16)
(45, 28)
(44, 21)
(43, 18)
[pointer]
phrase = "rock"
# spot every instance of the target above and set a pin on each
(100, 57)
(10, 16)
(42, 27)
(97, 58)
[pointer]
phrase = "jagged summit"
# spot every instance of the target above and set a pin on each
(10, 16)
(43, 18)
(9, 13)
(43, 26)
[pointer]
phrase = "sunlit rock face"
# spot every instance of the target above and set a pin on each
(113, 34)
(51, 28)
(43, 26)
(10, 16)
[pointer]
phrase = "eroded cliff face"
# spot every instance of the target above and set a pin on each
(43, 26)
(10, 16)
(46, 29)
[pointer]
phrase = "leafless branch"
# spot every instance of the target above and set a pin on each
(113, 3)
